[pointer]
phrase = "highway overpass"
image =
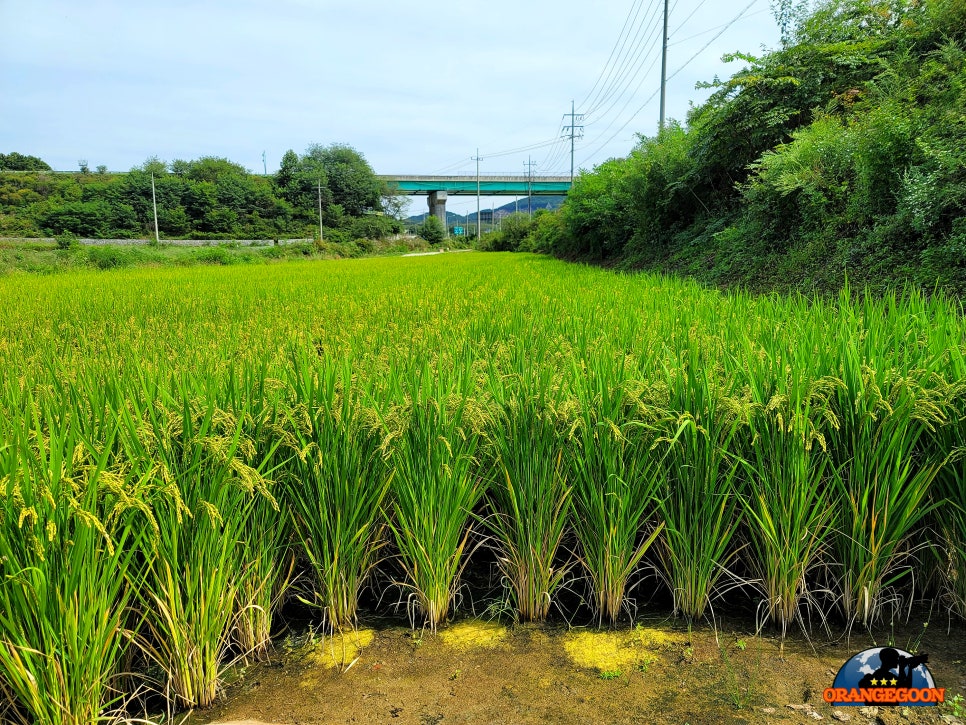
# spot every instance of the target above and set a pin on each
(438, 188)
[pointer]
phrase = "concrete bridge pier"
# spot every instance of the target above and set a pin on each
(437, 206)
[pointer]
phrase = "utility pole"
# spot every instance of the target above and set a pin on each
(572, 131)
(663, 66)
(154, 203)
(320, 210)
(529, 164)
(477, 159)
(264, 164)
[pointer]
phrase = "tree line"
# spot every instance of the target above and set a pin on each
(839, 155)
(207, 198)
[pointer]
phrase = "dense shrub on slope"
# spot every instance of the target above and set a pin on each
(840, 155)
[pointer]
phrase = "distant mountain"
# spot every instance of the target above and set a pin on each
(537, 202)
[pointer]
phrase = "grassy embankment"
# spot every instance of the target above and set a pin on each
(46, 257)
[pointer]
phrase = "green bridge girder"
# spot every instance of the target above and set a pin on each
(488, 185)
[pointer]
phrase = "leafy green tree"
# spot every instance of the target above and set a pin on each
(20, 162)
(859, 21)
(373, 226)
(789, 14)
(298, 182)
(85, 219)
(180, 167)
(153, 165)
(514, 231)
(432, 230)
(350, 179)
(334, 216)
(597, 212)
(200, 200)
(174, 222)
(220, 220)
(549, 233)
(213, 168)
(234, 192)
(393, 203)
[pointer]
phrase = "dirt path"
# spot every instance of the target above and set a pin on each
(430, 254)
(655, 673)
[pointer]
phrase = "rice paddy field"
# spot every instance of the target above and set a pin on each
(186, 455)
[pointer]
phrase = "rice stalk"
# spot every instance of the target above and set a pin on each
(435, 487)
(883, 490)
(199, 559)
(73, 519)
(336, 487)
(530, 505)
(787, 499)
(616, 478)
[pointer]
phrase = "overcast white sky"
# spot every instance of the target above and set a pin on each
(416, 87)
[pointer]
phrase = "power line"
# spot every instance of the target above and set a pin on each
(629, 62)
(711, 30)
(636, 72)
(617, 43)
(616, 80)
(691, 15)
(532, 147)
(707, 45)
(496, 154)
(555, 156)
(681, 68)
(626, 103)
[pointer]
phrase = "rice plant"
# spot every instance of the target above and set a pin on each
(266, 555)
(884, 483)
(336, 486)
(530, 507)
(699, 511)
(616, 479)
(788, 504)
(435, 487)
(624, 404)
(696, 502)
(72, 520)
(264, 577)
(199, 559)
(952, 530)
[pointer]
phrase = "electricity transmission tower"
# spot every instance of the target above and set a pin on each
(573, 131)
(529, 164)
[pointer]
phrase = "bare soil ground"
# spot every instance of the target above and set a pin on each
(657, 672)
